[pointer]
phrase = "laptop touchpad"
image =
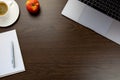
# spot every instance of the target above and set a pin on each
(95, 20)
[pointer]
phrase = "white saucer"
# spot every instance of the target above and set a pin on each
(13, 15)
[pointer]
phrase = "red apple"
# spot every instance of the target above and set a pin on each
(33, 6)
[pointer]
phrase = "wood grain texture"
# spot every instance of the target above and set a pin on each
(56, 48)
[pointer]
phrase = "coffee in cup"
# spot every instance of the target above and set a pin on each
(3, 8)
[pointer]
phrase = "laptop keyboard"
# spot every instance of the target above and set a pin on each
(109, 7)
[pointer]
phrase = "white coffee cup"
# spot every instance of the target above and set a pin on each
(5, 4)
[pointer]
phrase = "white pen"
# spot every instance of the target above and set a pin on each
(13, 55)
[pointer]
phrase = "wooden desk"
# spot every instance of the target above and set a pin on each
(56, 48)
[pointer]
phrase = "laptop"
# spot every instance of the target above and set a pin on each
(101, 16)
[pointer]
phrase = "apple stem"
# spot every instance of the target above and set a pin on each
(33, 4)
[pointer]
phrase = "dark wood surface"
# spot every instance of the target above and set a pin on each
(56, 48)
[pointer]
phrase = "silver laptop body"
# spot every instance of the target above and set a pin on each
(93, 19)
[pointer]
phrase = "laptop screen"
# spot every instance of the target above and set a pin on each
(108, 7)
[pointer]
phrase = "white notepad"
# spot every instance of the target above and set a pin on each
(11, 61)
